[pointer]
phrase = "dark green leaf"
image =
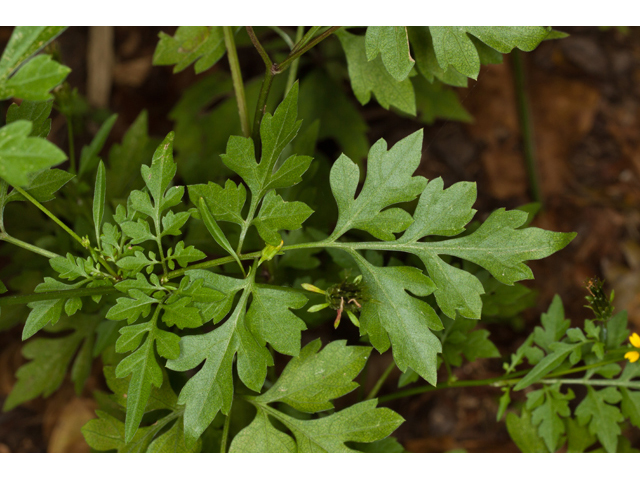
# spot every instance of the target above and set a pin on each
(36, 112)
(203, 45)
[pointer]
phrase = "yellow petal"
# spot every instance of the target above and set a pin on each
(632, 356)
(635, 340)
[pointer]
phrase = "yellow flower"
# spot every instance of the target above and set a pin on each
(632, 356)
(635, 341)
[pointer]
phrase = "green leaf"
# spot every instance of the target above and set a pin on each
(524, 434)
(173, 441)
(162, 170)
(35, 79)
(461, 338)
(173, 222)
(362, 422)
(69, 267)
(178, 313)
(553, 327)
(270, 319)
(43, 186)
(617, 331)
(36, 112)
(453, 45)
(426, 61)
(276, 214)
(225, 204)
(391, 316)
(434, 101)
(126, 159)
(24, 42)
(107, 433)
(203, 45)
(210, 390)
(389, 181)
(602, 417)
(99, 197)
(89, 156)
(311, 380)
(136, 262)
(369, 77)
(50, 360)
(184, 256)
(21, 155)
(216, 232)
(130, 308)
(547, 415)
(559, 352)
(143, 366)
(578, 437)
(262, 437)
(138, 231)
(392, 43)
(276, 132)
(215, 310)
(44, 312)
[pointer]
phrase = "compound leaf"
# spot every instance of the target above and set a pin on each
(597, 410)
(392, 43)
(203, 45)
(311, 380)
(276, 214)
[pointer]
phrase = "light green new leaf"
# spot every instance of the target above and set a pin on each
(392, 43)
(136, 262)
(21, 155)
(216, 232)
(36, 112)
(271, 321)
(69, 267)
(173, 222)
(24, 42)
(203, 45)
(311, 380)
(547, 412)
(390, 316)
(138, 231)
(262, 437)
(44, 312)
(276, 214)
(389, 181)
(35, 79)
(162, 170)
(43, 186)
(603, 418)
(225, 204)
(50, 359)
(369, 77)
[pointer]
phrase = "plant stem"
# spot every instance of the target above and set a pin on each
(72, 149)
(526, 125)
(238, 85)
(55, 294)
(294, 55)
(261, 109)
(84, 243)
(247, 222)
(27, 246)
(307, 37)
(294, 66)
(73, 234)
(285, 36)
(263, 53)
(376, 388)
(225, 431)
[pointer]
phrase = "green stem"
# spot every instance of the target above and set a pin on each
(72, 149)
(376, 388)
(55, 294)
(261, 109)
(306, 39)
(285, 36)
(27, 246)
(73, 234)
(296, 54)
(238, 84)
(263, 53)
(247, 222)
(293, 73)
(225, 432)
(526, 125)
